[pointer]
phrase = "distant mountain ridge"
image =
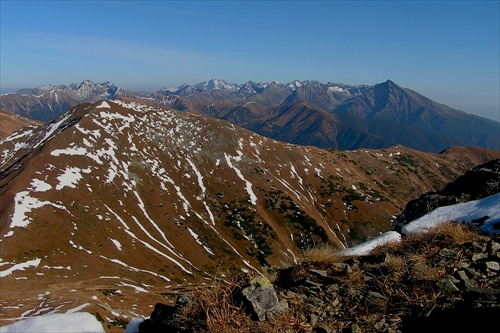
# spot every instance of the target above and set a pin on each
(47, 102)
(326, 115)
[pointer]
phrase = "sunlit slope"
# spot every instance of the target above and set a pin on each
(121, 195)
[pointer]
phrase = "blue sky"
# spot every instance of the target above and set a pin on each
(448, 51)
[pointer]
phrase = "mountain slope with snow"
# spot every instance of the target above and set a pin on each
(12, 122)
(116, 203)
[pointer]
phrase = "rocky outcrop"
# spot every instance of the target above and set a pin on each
(163, 317)
(447, 277)
(375, 294)
(478, 183)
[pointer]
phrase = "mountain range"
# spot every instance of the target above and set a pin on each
(302, 112)
(115, 204)
(46, 103)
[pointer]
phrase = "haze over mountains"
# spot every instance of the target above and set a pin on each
(307, 113)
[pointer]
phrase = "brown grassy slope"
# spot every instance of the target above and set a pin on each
(302, 193)
(10, 122)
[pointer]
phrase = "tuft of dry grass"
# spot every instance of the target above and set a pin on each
(214, 309)
(390, 247)
(446, 234)
(220, 313)
(395, 264)
(424, 272)
(459, 232)
(355, 278)
(287, 322)
(324, 254)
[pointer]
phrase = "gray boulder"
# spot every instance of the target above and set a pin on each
(263, 298)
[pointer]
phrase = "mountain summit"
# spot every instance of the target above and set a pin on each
(332, 115)
(215, 84)
(347, 117)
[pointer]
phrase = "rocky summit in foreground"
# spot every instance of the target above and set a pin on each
(445, 280)
(116, 205)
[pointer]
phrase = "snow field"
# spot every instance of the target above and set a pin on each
(75, 322)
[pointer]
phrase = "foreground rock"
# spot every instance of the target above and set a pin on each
(263, 298)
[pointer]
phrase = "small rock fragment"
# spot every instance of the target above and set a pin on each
(493, 266)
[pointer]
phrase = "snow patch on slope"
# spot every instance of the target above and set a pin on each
(487, 208)
(23, 204)
(20, 267)
(40, 186)
(69, 178)
(78, 322)
(366, 247)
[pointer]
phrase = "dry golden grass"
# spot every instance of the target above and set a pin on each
(389, 247)
(395, 264)
(355, 278)
(424, 272)
(221, 315)
(287, 322)
(212, 309)
(324, 254)
(447, 233)
(460, 233)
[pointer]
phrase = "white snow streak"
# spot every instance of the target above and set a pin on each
(198, 240)
(117, 243)
(20, 267)
(368, 246)
(200, 177)
(253, 197)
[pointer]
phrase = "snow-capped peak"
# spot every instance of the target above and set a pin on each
(337, 89)
(295, 84)
(47, 87)
(215, 84)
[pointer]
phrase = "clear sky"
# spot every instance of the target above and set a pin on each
(448, 51)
